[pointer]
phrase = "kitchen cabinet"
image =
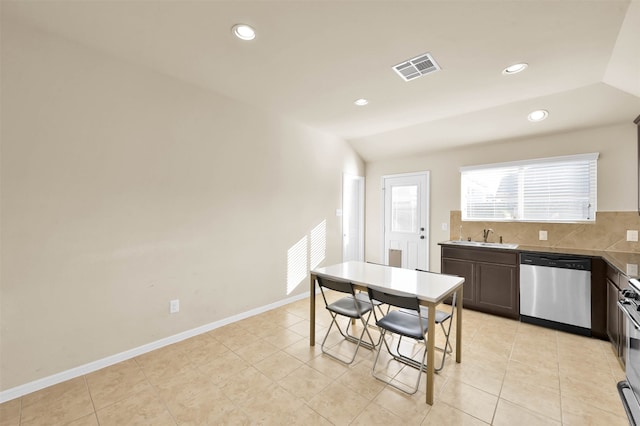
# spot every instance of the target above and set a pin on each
(599, 295)
(613, 321)
(465, 269)
(615, 318)
(497, 289)
(491, 278)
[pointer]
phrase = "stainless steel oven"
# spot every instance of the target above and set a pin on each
(630, 389)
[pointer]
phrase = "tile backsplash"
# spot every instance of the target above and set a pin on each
(608, 232)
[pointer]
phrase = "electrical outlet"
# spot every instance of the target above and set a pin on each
(632, 269)
(542, 235)
(632, 235)
(445, 226)
(174, 306)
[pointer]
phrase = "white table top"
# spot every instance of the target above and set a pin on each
(427, 286)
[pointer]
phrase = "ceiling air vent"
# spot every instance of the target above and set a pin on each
(416, 67)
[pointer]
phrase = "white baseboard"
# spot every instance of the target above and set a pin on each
(90, 367)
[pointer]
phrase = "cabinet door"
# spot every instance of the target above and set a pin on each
(497, 289)
(464, 269)
(623, 281)
(613, 315)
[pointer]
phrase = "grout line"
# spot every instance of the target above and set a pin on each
(157, 392)
(599, 348)
(56, 378)
(504, 376)
(559, 377)
(20, 412)
(93, 404)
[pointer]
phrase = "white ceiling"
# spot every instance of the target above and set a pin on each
(312, 59)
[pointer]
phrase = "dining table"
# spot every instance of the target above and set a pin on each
(431, 289)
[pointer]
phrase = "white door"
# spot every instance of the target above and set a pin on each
(352, 218)
(406, 220)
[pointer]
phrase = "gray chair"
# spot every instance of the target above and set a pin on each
(404, 323)
(350, 307)
(441, 318)
(362, 295)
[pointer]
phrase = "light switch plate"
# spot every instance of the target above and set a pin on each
(542, 235)
(632, 269)
(174, 306)
(338, 212)
(445, 226)
(632, 235)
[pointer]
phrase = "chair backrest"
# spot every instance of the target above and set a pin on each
(406, 302)
(337, 285)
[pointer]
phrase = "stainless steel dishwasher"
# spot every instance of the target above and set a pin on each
(555, 291)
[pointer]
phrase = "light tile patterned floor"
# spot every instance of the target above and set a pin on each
(261, 370)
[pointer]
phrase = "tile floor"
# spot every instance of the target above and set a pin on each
(261, 370)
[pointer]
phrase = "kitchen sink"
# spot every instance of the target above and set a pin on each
(483, 244)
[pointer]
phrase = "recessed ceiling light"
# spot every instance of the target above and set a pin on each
(244, 32)
(538, 115)
(361, 102)
(515, 68)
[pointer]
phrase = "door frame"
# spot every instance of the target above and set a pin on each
(360, 213)
(425, 205)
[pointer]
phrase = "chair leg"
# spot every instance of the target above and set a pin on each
(447, 346)
(352, 338)
(382, 312)
(420, 366)
(406, 359)
(377, 306)
(349, 337)
(447, 350)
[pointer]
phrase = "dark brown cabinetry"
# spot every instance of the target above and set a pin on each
(492, 286)
(497, 289)
(491, 278)
(613, 321)
(465, 269)
(615, 317)
(599, 296)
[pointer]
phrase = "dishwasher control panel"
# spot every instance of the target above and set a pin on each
(551, 261)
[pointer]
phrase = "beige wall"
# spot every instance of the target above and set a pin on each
(617, 175)
(607, 233)
(123, 189)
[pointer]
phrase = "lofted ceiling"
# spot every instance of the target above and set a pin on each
(312, 59)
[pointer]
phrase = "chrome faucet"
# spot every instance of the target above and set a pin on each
(485, 234)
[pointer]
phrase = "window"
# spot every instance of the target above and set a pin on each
(404, 208)
(558, 189)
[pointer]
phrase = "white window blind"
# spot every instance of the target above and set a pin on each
(558, 189)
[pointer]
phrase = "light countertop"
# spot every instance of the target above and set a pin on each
(427, 286)
(627, 263)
